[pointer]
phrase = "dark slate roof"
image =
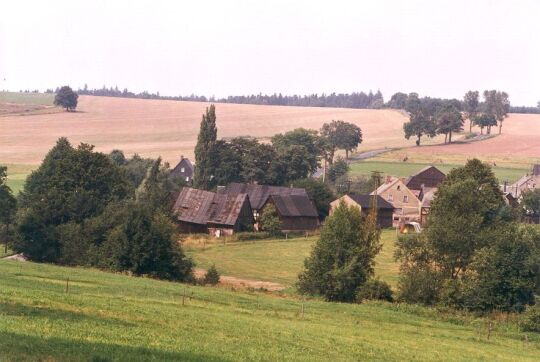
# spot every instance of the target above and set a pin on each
(422, 176)
(294, 205)
(536, 170)
(188, 167)
(226, 208)
(365, 201)
(258, 194)
(202, 207)
(193, 205)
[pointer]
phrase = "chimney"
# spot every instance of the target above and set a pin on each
(181, 157)
(388, 179)
(402, 179)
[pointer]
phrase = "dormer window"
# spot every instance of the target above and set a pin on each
(182, 169)
(390, 197)
(399, 187)
(405, 198)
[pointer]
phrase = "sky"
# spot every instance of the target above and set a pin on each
(233, 47)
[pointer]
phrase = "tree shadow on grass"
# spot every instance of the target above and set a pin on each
(34, 312)
(19, 347)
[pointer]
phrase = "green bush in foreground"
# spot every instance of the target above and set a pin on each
(212, 276)
(342, 260)
(375, 289)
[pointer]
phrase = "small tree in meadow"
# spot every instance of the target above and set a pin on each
(342, 260)
(66, 98)
(212, 276)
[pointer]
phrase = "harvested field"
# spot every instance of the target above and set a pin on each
(169, 128)
(518, 145)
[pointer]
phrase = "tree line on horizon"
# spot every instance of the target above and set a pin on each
(357, 100)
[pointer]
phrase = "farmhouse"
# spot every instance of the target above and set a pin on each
(406, 202)
(385, 210)
(200, 211)
(429, 176)
(259, 194)
(296, 212)
(184, 169)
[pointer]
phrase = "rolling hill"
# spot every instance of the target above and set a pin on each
(105, 317)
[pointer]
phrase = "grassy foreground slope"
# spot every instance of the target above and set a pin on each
(279, 260)
(114, 317)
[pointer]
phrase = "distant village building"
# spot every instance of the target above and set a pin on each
(296, 212)
(424, 184)
(526, 183)
(385, 210)
(429, 176)
(184, 170)
(406, 203)
(200, 211)
(259, 194)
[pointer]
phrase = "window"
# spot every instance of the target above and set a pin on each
(182, 169)
(187, 178)
(399, 187)
(390, 197)
(405, 198)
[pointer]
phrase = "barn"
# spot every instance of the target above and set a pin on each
(259, 194)
(385, 210)
(199, 211)
(296, 212)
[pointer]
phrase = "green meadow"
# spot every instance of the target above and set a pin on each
(17, 175)
(111, 317)
(405, 169)
(44, 99)
(279, 260)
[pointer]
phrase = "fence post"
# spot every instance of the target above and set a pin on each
(67, 285)
(184, 297)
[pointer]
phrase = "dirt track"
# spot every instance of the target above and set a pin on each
(243, 283)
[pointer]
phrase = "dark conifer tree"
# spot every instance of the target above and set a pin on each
(205, 142)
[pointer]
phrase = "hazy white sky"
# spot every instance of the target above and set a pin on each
(437, 48)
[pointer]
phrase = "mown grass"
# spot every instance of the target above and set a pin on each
(502, 161)
(405, 169)
(45, 99)
(5, 252)
(116, 317)
(279, 260)
(17, 174)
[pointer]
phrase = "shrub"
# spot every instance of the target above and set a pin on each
(249, 236)
(419, 285)
(269, 219)
(531, 321)
(212, 276)
(374, 289)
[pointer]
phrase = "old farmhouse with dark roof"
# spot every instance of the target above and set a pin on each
(200, 211)
(296, 212)
(184, 169)
(429, 176)
(385, 210)
(259, 194)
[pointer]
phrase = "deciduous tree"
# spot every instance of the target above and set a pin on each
(342, 260)
(66, 98)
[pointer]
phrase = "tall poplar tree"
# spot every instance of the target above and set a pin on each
(203, 150)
